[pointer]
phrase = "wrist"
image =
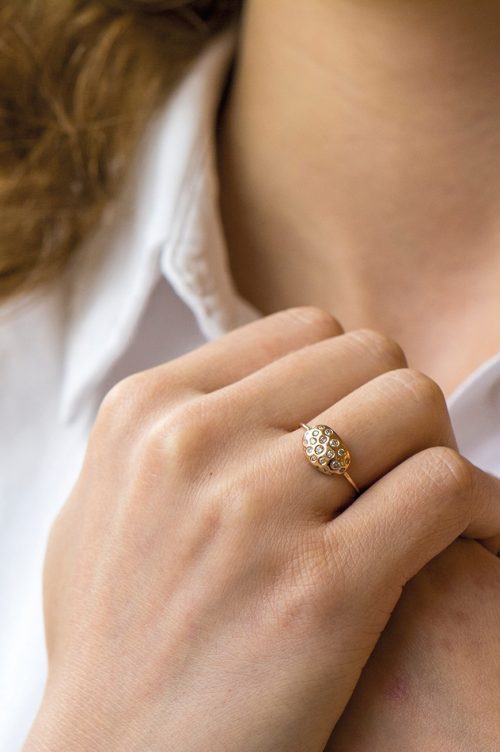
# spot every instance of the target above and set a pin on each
(48, 735)
(51, 733)
(62, 724)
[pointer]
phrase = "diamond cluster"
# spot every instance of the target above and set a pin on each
(326, 450)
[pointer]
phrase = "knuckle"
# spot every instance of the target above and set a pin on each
(170, 452)
(381, 346)
(453, 472)
(181, 444)
(318, 318)
(116, 415)
(176, 441)
(121, 397)
(183, 433)
(426, 391)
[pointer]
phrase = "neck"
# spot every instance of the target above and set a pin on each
(359, 152)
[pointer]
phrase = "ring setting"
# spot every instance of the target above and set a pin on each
(326, 451)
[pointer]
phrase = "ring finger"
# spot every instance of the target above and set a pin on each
(383, 422)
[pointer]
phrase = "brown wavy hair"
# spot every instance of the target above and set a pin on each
(79, 80)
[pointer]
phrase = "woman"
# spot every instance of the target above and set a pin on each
(205, 587)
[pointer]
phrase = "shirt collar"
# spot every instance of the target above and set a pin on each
(165, 221)
(474, 408)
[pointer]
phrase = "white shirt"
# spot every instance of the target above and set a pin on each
(151, 283)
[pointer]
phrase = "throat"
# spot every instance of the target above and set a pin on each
(358, 154)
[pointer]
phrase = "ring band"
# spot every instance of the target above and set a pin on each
(326, 451)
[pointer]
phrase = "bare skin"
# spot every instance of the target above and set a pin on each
(308, 212)
(359, 156)
(204, 587)
(433, 681)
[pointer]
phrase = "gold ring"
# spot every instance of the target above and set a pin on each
(326, 451)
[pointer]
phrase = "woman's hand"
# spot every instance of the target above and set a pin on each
(202, 590)
(433, 681)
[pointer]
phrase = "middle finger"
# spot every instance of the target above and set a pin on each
(307, 381)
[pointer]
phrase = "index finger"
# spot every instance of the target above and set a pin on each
(248, 348)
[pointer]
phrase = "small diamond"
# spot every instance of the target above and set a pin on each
(315, 433)
(323, 439)
(313, 458)
(318, 449)
(328, 431)
(341, 452)
(334, 465)
(330, 453)
(310, 450)
(313, 441)
(334, 442)
(305, 442)
(322, 460)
